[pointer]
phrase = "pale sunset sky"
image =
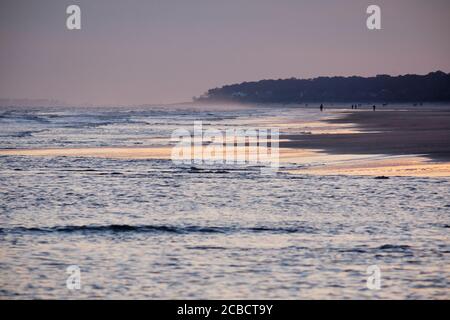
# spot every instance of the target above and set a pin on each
(166, 51)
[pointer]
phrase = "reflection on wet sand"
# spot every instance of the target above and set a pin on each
(307, 161)
(109, 152)
(389, 166)
(388, 143)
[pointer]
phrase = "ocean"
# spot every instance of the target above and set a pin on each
(147, 228)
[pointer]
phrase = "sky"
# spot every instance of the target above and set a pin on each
(167, 51)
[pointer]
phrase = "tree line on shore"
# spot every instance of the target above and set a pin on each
(433, 87)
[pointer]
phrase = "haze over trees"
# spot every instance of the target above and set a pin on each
(433, 87)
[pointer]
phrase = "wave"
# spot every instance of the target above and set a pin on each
(21, 134)
(116, 228)
(394, 247)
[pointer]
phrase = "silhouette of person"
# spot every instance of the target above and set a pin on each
(321, 107)
(374, 107)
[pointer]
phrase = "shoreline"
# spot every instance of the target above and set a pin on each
(409, 142)
(394, 132)
(384, 143)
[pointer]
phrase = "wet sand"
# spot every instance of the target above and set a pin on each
(384, 132)
(407, 142)
(101, 152)
(404, 166)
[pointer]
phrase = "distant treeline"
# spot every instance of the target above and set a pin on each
(432, 87)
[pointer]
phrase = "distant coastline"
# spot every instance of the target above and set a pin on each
(433, 87)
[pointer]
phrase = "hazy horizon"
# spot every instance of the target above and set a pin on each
(153, 52)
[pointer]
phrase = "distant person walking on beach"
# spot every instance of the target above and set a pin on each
(321, 107)
(374, 107)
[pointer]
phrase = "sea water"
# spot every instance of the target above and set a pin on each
(144, 228)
